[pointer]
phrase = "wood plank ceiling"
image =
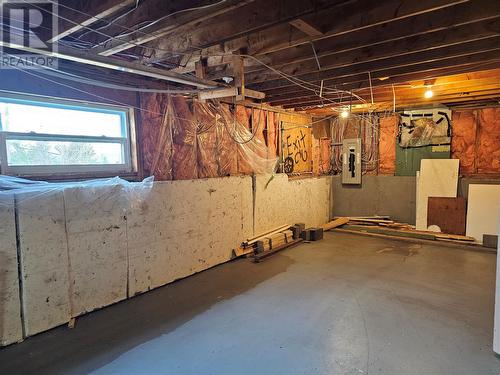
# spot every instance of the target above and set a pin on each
(304, 54)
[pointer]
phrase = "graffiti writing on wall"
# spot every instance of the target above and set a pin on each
(297, 150)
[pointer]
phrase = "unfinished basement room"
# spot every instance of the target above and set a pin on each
(249, 187)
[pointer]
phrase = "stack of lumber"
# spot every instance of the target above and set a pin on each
(384, 225)
(266, 241)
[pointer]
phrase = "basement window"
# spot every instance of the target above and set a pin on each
(49, 137)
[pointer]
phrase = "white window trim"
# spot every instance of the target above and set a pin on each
(128, 143)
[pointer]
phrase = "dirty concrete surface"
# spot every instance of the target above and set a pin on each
(349, 304)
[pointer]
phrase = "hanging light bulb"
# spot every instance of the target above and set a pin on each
(344, 113)
(428, 93)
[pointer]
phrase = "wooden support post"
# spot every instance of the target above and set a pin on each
(239, 76)
(201, 68)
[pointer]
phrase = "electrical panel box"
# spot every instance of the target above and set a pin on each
(351, 161)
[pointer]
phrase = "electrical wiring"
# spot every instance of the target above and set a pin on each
(152, 23)
(84, 80)
(109, 23)
(294, 80)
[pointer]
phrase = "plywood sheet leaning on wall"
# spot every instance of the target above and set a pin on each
(156, 136)
(97, 246)
(297, 146)
(437, 178)
(43, 250)
(496, 330)
(488, 151)
(387, 144)
(10, 311)
(447, 213)
(184, 227)
(463, 141)
(279, 200)
(483, 210)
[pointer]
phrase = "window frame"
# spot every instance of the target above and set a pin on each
(128, 143)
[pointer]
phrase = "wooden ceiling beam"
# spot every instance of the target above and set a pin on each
(401, 104)
(251, 18)
(186, 20)
(437, 58)
(306, 27)
(405, 47)
(384, 94)
(85, 13)
(439, 20)
(347, 17)
(147, 11)
(361, 82)
(443, 20)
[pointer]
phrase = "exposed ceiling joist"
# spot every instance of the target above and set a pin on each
(349, 17)
(425, 46)
(251, 18)
(90, 12)
(441, 57)
(187, 20)
(385, 94)
(361, 81)
(368, 44)
(147, 12)
(306, 27)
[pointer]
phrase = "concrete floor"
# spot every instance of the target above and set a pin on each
(346, 305)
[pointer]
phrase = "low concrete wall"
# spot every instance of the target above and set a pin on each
(85, 248)
(377, 195)
(387, 195)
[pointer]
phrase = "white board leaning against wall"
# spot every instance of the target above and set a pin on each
(437, 178)
(483, 205)
(496, 330)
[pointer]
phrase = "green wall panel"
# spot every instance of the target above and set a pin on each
(408, 159)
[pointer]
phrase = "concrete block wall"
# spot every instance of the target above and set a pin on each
(83, 248)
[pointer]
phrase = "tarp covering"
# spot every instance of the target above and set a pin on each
(425, 127)
(188, 139)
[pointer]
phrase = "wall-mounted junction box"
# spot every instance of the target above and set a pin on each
(351, 161)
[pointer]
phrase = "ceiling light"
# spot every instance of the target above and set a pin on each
(344, 113)
(428, 93)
